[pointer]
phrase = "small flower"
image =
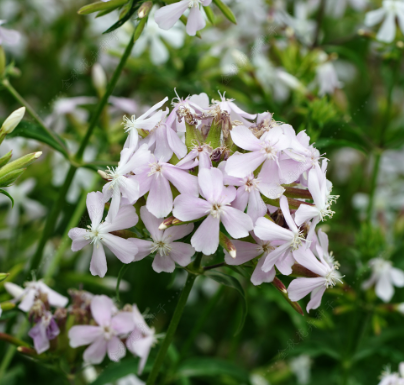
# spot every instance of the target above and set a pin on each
(167, 251)
(98, 234)
(389, 11)
(32, 290)
(216, 206)
(44, 330)
(12, 121)
(106, 335)
(146, 122)
(328, 276)
(167, 16)
(289, 241)
(120, 183)
(384, 277)
(142, 338)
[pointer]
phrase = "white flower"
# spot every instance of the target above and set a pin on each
(389, 11)
(301, 368)
(384, 276)
(152, 37)
(326, 76)
(13, 120)
(8, 36)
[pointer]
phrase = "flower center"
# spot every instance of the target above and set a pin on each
(251, 184)
(108, 332)
(297, 240)
(113, 176)
(216, 210)
(161, 247)
(193, 3)
(94, 235)
(269, 151)
(332, 277)
(265, 247)
(155, 168)
(130, 124)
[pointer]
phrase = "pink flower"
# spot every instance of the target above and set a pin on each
(141, 339)
(300, 287)
(44, 330)
(198, 156)
(155, 179)
(168, 251)
(247, 251)
(147, 122)
(264, 151)
(289, 240)
(105, 336)
(99, 235)
(216, 207)
(248, 194)
(120, 184)
(32, 290)
(167, 16)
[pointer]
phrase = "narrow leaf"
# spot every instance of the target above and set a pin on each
(226, 11)
(7, 195)
(101, 6)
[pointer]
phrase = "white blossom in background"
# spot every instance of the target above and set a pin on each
(300, 366)
(326, 75)
(384, 277)
(8, 36)
(390, 11)
(154, 39)
(31, 208)
(392, 378)
(337, 9)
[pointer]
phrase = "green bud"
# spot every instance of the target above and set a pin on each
(11, 122)
(2, 61)
(99, 79)
(282, 289)
(226, 11)
(210, 14)
(8, 179)
(4, 159)
(22, 162)
(3, 276)
(144, 9)
(215, 132)
(7, 306)
(192, 136)
(101, 6)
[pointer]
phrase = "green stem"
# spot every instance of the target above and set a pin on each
(373, 183)
(173, 324)
(58, 206)
(32, 112)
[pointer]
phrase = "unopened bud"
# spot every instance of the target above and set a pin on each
(228, 245)
(103, 175)
(7, 306)
(144, 9)
(4, 159)
(166, 223)
(2, 61)
(282, 289)
(11, 122)
(99, 79)
(3, 276)
(20, 163)
(301, 271)
(8, 179)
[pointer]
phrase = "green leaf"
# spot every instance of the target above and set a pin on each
(133, 8)
(115, 371)
(204, 367)
(101, 6)
(4, 192)
(232, 282)
(322, 143)
(226, 11)
(33, 131)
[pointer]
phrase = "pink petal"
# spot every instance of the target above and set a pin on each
(177, 232)
(144, 182)
(244, 138)
(163, 263)
(28, 300)
(397, 277)
(144, 248)
(181, 253)
(300, 287)
(285, 263)
(211, 184)
(163, 152)
(175, 143)
(123, 249)
(290, 170)
(256, 206)
(98, 265)
(83, 335)
(116, 349)
(242, 165)
(283, 203)
(182, 180)
(206, 2)
(167, 16)
(316, 296)
(189, 208)
(38, 334)
(269, 231)
(130, 189)
(115, 203)
(195, 21)
(307, 259)
(122, 323)
(206, 238)
(273, 257)
(237, 223)
(259, 276)
(384, 288)
(160, 199)
(54, 298)
(152, 223)
(138, 161)
(246, 251)
(101, 309)
(125, 219)
(242, 196)
(95, 207)
(77, 236)
(304, 213)
(95, 353)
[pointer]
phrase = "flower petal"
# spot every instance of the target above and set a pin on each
(195, 21)
(95, 207)
(181, 253)
(160, 199)
(300, 287)
(77, 236)
(163, 263)
(242, 165)
(206, 238)
(237, 223)
(95, 353)
(116, 349)
(259, 276)
(189, 208)
(246, 251)
(122, 323)
(124, 250)
(98, 265)
(101, 309)
(177, 232)
(81, 335)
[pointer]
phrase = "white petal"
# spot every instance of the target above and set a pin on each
(206, 238)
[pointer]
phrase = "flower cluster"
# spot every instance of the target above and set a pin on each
(389, 378)
(215, 173)
(94, 320)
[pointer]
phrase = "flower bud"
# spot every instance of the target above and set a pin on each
(282, 289)
(22, 162)
(8, 179)
(11, 122)
(3, 276)
(99, 79)
(228, 245)
(144, 9)
(4, 159)
(2, 61)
